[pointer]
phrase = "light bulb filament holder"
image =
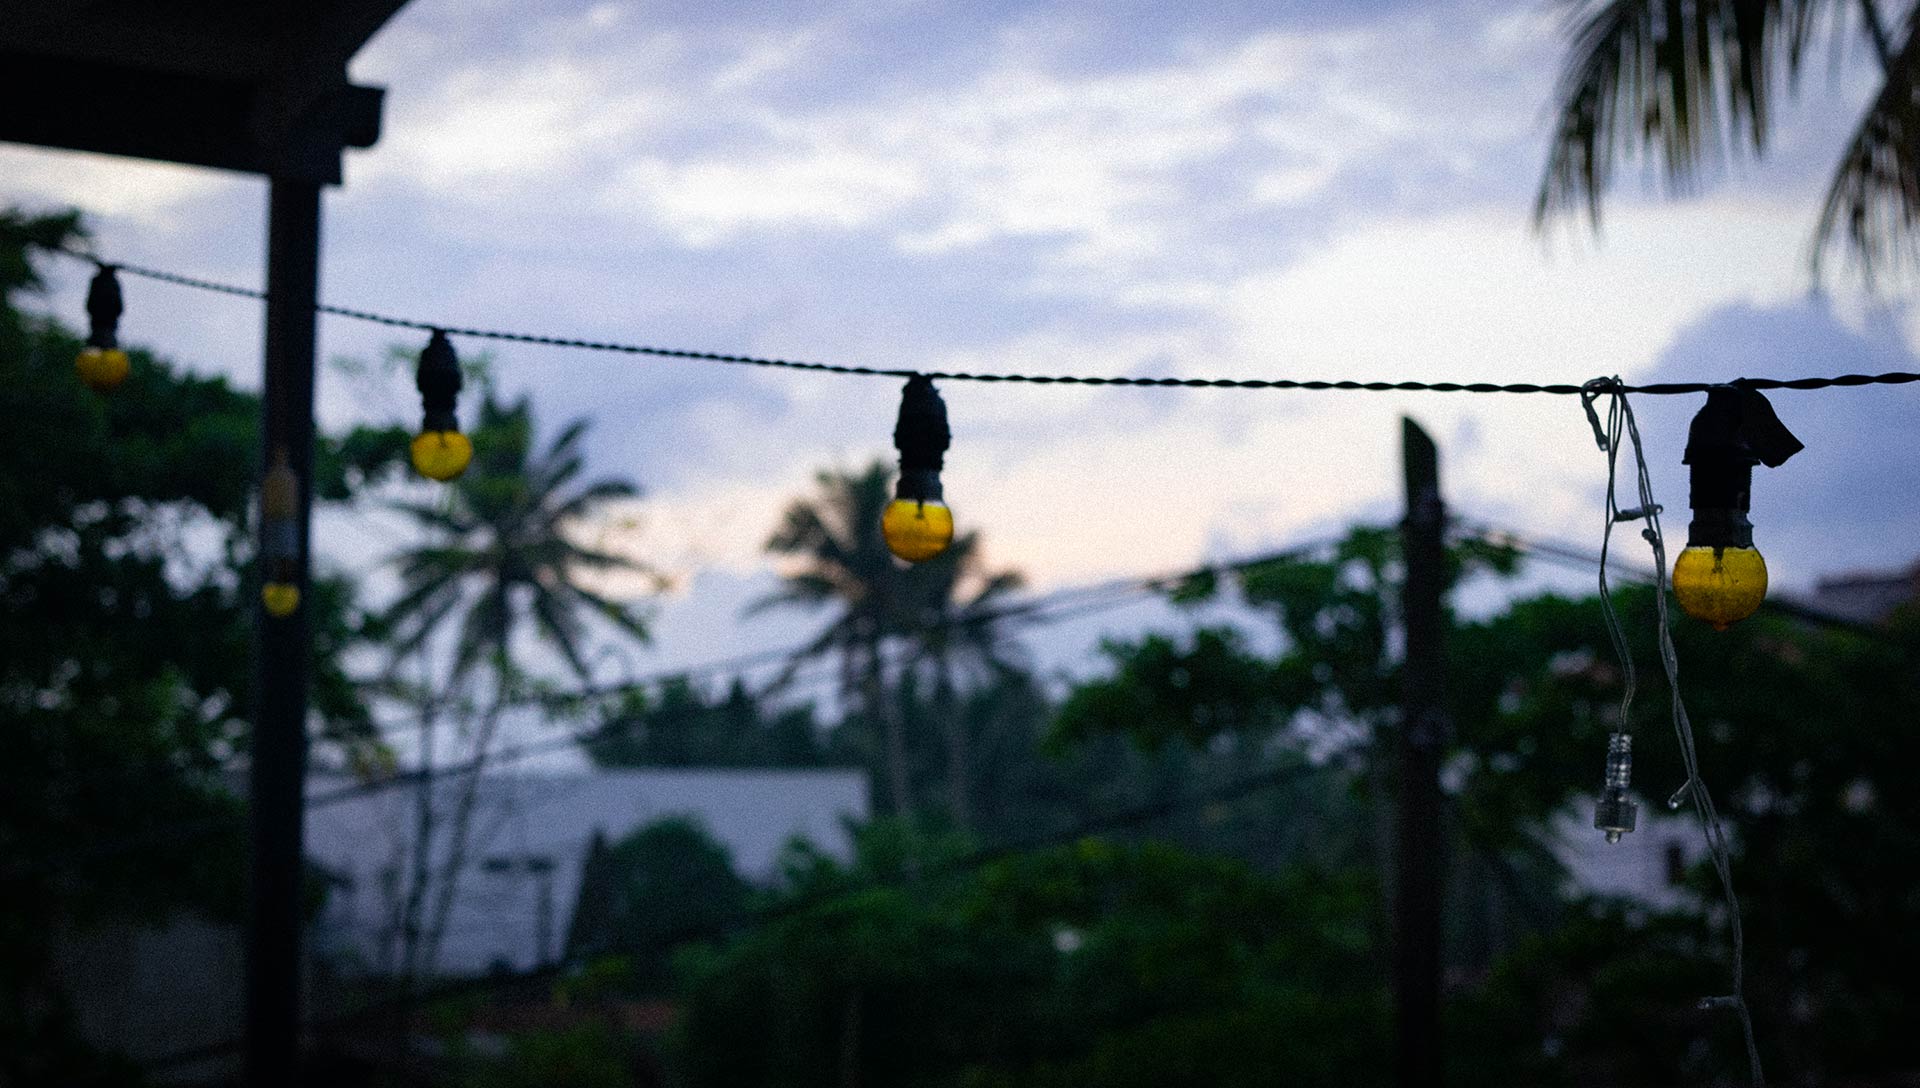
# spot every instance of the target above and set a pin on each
(104, 307)
(1616, 813)
(438, 379)
(922, 437)
(1735, 430)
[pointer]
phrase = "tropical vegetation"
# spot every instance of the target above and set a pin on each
(1168, 871)
(1688, 83)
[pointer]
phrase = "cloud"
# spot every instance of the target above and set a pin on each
(1250, 190)
(1851, 499)
(706, 201)
(144, 195)
(710, 128)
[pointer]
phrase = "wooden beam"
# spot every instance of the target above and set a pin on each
(192, 119)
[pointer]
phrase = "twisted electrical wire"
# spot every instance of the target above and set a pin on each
(733, 359)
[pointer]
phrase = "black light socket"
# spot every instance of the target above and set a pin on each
(104, 307)
(1735, 430)
(438, 379)
(922, 437)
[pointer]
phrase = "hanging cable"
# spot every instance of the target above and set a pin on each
(1615, 813)
(1622, 425)
(616, 347)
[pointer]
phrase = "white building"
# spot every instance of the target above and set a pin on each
(516, 889)
(1648, 866)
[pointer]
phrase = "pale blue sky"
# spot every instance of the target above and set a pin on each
(1277, 190)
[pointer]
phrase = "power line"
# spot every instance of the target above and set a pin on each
(1029, 611)
(1568, 555)
(622, 348)
(1036, 611)
(1072, 602)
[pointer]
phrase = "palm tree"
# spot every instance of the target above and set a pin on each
(499, 557)
(944, 612)
(1680, 80)
(959, 619)
(846, 565)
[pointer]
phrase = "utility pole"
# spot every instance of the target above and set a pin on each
(1424, 729)
(279, 768)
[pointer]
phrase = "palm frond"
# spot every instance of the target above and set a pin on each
(562, 461)
(566, 443)
(439, 516)
(1873, 199)
(486, 630)
(582, 502)
(416, 624)
(589, 559)
(561, 627)
(1682, 81)
(620, 614)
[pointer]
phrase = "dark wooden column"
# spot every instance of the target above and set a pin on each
(279, 767)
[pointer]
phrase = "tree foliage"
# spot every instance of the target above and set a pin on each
(1087, 964)
(943, 619)
(640, 897)
(678, 726)
(502, 553)
(1799, 734)
(125, 660)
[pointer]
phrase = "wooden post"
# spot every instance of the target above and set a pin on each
(1424, 729)
(277, 798)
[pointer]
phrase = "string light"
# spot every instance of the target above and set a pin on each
(1720, 577)
(1129, 381)
(440, 451)
(102, 365)
(917, 524)
(1615, 812)
(280, 537)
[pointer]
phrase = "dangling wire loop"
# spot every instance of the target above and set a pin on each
(1609, 440)
(1588, 393)
(1622, 425)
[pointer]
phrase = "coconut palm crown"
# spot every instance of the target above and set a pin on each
(1686, 82)
(502, 550)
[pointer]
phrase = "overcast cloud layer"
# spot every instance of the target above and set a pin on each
(1257, 190)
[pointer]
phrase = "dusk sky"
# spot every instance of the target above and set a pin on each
(1333, 190)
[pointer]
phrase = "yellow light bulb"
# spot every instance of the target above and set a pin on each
(441, 455)
(1720, 585)
(917, 530)
(281, 598)
(103, 369)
